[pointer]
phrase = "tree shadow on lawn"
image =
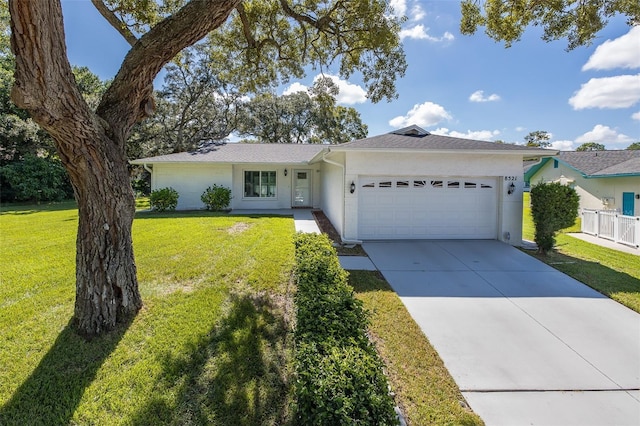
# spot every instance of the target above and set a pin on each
(53, 391)
(238, 374)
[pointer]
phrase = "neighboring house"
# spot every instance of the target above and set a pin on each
(408, 184)
(604, 180)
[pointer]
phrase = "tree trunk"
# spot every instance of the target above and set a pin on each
(106, 283)
(93, 152)
(91, 144)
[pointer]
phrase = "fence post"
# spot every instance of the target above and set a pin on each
(597, 227)
(616, 228)
(637, 232)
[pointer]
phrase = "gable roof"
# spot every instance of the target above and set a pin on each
(416, 139)
(594, 164)
(242, 153)
(411, 138)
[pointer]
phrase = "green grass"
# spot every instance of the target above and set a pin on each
(611, 272)
(210, 346)
(424, 389)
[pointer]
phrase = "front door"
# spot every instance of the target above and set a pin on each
(627, 203)
(302, 188)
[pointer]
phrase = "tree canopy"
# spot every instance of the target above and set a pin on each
(633, 146)
(591, 146)
(578, 21)
(301, 117)
(538, 138)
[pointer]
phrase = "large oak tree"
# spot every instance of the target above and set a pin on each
(577, 21)
(261, 43)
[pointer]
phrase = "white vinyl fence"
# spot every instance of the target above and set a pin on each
(612, 225)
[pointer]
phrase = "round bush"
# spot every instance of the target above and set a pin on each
(164, 199)
(216, 197)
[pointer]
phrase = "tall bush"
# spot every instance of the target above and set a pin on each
(553, 207)
(216, 197)
(35, 179)
(164, 199)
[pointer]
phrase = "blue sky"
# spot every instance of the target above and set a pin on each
(462, 86)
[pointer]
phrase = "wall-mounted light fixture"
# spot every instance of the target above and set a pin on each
(637, 196)
(511, 189)
(285, 172)
(352, 187)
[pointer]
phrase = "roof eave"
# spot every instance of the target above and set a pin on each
(526, 153)
(633, 174)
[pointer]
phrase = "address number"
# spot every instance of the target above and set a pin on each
(511, 178)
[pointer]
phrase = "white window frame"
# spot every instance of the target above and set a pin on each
(260, 195)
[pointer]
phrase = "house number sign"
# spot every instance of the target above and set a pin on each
(511, 178)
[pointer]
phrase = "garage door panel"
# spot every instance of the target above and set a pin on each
(427, 207)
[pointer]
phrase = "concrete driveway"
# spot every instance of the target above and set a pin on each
(526, 344)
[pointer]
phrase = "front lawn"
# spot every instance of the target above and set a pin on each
(210, 346)
(611, 272)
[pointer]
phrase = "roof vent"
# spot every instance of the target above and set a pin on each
(412, 130)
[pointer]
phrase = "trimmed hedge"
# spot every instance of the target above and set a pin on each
(340, 377)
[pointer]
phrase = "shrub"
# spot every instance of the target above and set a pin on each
(553, 207)
(216, 197)
(164, 199)
(35, 179)
(339, 374)
(342, 386)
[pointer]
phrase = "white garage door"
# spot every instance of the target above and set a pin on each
(427, 208)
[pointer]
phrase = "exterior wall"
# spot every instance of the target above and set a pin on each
(333, 193)
(190, 180)
(284, 190)
(592, 190)
(426, 164)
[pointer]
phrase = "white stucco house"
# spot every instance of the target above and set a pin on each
(604, 180)
(407, 184)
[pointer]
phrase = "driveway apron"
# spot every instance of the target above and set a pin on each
(526, 344)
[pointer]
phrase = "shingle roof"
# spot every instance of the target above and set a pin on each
(603, 163)
(433, 142)
(242, 153)
(409, 138)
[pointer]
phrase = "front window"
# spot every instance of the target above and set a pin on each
(260, 184)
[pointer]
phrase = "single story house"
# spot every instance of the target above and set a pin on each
(604, 180)
(407, 184)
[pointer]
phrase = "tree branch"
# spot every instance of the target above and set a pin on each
(116, 23)
(127, 99)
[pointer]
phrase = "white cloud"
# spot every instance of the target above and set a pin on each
(478, 96)
(609, 92)
(420, 32)
(417, 13)
(636, 115)
(349, 93)
(520, 129)
(399, 7)
(294, 88)
(622, 52)
(563, 145)
(425, 114)
(602, 134)
(483, 135)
